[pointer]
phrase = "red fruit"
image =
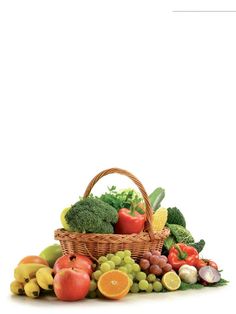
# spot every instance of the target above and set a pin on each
(154, 259)
(162, 262)
(164, 257)
(144, 264)
(155, 269)
(156, 253)
(167, 268)
(73, 261)
(71, 284)
(200, 263)
(147, 255)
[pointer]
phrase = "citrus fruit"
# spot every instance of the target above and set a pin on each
(114, 284)
(171, 281)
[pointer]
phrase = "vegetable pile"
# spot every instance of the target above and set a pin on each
(73, 277)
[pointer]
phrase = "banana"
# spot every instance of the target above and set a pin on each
(32, 288)
(44, 278)
(17, 287)
(24, 272)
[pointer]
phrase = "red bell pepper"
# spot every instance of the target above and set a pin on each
(182, 254)
(129, 221)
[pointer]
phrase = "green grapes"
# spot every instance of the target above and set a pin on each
(92, 295)
(93, 286)
(143, 285)
(102, 259)
(121, 254)
(105, 267)
(128, 259)
(109, 256)
(127, 252)
(157, 286)
(150, 288)
(136, 267)
(151, 278)
(112, 264)
(128, 267)
(140, 276)
(96, 274)
(116, 260)
(134, 288)
(124, 269)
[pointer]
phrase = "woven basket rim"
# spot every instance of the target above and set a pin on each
(64, 235)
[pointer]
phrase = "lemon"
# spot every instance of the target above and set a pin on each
(171, 281)
(159, 219)
(63, 220)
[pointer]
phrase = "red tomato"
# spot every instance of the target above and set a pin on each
(200, 263)
(212, 264)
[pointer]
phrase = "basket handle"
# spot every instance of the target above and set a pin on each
(148, 223)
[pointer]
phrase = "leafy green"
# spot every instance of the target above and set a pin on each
(180, 234)
(92, 215)
(169, 242)
(175, 217)
(121, 199)
(198, 245)
(187, 286)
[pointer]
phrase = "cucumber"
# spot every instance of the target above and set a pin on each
(156, 198)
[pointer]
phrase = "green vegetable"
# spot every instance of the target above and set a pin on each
(175, 217)
(180, 234)
(121, 199)
(198, 245)
(169, 242)
(156, 198)
(92, 215)
(187, 286)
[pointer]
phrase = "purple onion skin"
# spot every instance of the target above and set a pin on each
(208, 275)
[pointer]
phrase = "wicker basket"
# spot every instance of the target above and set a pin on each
(95, 245)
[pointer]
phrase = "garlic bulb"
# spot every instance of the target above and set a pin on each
(188, 274)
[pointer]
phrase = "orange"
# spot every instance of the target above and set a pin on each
(114, 284)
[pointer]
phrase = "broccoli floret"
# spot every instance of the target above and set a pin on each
(92, 215)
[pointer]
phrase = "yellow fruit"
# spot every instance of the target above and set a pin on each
(44, 278)
(171, 281)
(63, 220)
(17, 287)
(159, 219)
(32, 289)
(114, 284)
(24, 272)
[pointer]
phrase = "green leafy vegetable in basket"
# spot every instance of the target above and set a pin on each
(92, 215)
(121, 199)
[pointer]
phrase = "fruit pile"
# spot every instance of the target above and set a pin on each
(73, 277)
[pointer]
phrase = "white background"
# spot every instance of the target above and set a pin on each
(88, 85)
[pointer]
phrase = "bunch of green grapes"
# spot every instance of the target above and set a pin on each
(120, 260)
(145, 283)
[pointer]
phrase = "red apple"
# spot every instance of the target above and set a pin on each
(73, 261)
(71, 284)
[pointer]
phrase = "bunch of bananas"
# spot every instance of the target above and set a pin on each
(31, 279)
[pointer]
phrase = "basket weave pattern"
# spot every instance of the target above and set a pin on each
(96, 245)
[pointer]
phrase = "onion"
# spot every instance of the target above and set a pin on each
(209, 275)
